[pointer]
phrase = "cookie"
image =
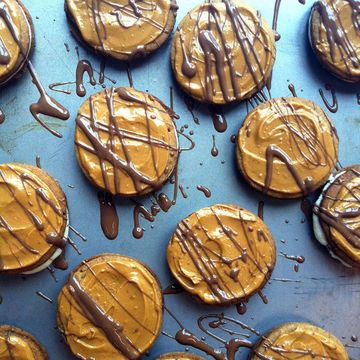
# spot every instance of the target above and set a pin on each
(222, 254)
(110, 308)
(223, 51)
(337, 216)
(299, 341)
(33, 219)
(121, 29)
(14, 51)
(334, 33)
(287, 147)
(18, 344)
(179, 356)
(126, 141)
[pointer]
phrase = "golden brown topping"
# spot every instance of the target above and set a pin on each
(223, 51)
(221, 254)
(299, 341)
(111, 308)
(33, 217)
(287, 147)
(335, 36)
(126, 141)
(122, 29)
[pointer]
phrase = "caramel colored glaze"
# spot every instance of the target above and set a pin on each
(33, 217)
(299, 340)
(111, 308)
(222, 254)
(16, 344)
(287, 147)
(179, 356)
(126, 141)
(122, 29)
(12, 57)
(339, 214)
(223, 51)
(335, 36)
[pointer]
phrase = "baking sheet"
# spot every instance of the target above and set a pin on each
(322, 292)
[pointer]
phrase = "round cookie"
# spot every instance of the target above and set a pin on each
(287, 147)
(110, 308)
(126, 141)
(337, 216)
(179, 356)
(16, 344)
(334, 32)
(223, 51)
(122, 29)
(299, 340)
(222, 254)
(14, 50)
(33, 219)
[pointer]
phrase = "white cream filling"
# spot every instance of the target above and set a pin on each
(318, 231)
(54, 256)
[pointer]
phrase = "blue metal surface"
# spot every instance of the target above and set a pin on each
(327, 294)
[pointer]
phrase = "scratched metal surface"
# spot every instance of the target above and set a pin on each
(322, 292)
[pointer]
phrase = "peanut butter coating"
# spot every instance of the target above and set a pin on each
(126, 141)
(221, 254)
(335, 37)
(223, 51)
(299, 341)
(111, 308)
(12, 59)
(122, 29)
(33, 217)
(287, 147)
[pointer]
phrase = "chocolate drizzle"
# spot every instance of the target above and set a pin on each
(2, 116)
(292, 90)
(108, 215)
(190, 104)
(138, 231)
(334, 106)
(204, 190)
(214, 149)
(219, 120)
(83, 67)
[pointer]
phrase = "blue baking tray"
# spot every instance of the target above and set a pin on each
(322, 291)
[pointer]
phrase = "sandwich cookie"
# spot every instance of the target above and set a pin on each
(33, 219)
(16, 344)
(126, 141)
(122, 29)
(179, 356)
(334, 32)
(299, 341)
(223, 51)
(287, 147)
(337, 216)
(222, 254)
(14, 54)
(110, 308)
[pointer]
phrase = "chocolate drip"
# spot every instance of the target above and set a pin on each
(67, 47)
(112, 329)
(129, 75)
(263, 297)
(292, 90)
(331, 107)
(138, 231)
(219, 120)
(102, 72)
(2, 116)
(190, 104)
(298, 259)
(204, 190)
(214, 149)
(54, 87)
(38, 162)
(241, 308)
(56, 240)
(60, 262)
(183, 192)
(83, 67)
(4, 54)
(275, 19)
(164, 202)
(173, 289)
(108, 215)
(187, 68)
(43, 296)
(261, 210)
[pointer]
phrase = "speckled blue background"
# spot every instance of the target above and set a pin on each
(322, 292)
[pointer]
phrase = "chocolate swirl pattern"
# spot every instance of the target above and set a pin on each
(287, 147)
(223, 51)
(335, 36)
(111, 308)
(221, 254)
(122, 29)
(33, 218)
(126, 141)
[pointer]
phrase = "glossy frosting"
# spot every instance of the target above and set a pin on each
(179, 356)
(11, 57)
(299, 341)
(111, 308)
(223, 51)
(133, 151)
(221, 254)
(32, 217)
(287, 147)
(335, 36)
(122, 27)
